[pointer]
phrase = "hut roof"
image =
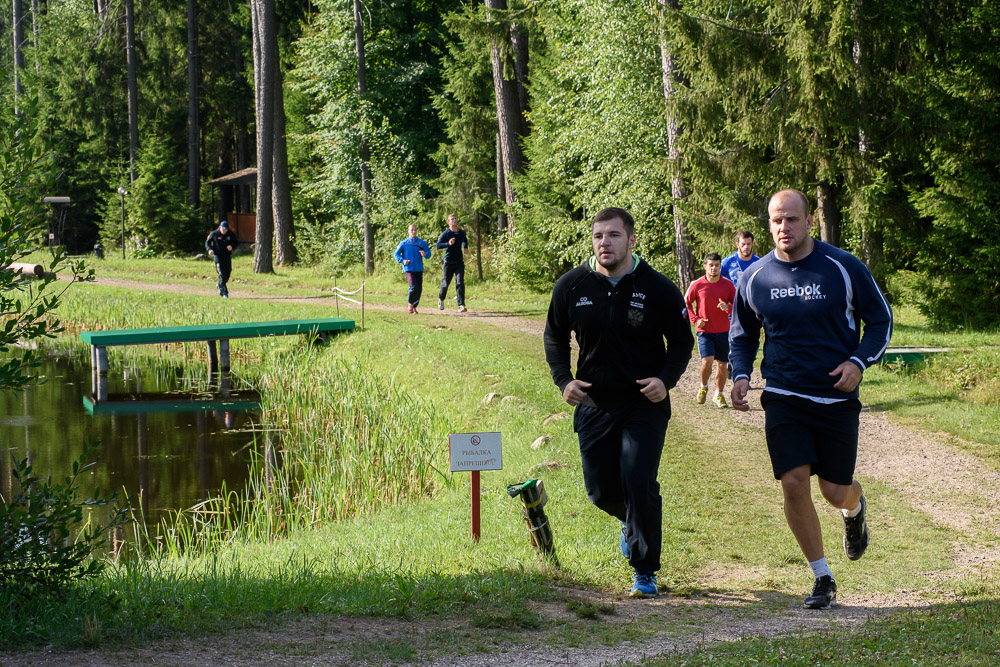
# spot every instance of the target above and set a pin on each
(243, 177)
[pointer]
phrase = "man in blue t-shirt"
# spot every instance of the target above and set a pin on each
(810, 298)
(734, 265)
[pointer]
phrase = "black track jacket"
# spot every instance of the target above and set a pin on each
(620, 330)
(217, 242)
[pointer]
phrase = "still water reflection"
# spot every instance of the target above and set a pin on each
(160, 439)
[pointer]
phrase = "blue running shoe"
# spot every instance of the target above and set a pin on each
(626, 551)
(643, 585)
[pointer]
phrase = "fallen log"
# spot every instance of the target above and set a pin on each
(36, 270)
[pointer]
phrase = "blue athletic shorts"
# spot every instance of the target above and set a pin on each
(714, 345)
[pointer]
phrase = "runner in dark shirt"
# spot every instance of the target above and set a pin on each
(454, 243)
(220, 245)
(621, 311)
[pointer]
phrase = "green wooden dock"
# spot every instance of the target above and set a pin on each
(215, 335)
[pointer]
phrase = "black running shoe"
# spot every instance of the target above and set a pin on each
(824, 594)
(856, 534)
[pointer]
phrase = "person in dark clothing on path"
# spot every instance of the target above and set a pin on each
(620, 310)
(810, 298)
(220, 245)
(454, 243)
(411, 252)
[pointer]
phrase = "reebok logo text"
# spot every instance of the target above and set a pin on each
(809, 292)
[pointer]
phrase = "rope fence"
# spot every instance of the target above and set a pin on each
(340, 293)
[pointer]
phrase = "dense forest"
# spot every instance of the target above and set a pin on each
(525, 117)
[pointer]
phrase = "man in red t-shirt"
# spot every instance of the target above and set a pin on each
(709, 301)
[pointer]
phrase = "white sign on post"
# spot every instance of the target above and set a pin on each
(475, 451)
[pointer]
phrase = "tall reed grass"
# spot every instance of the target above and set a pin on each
(338, 441)
(353, 440)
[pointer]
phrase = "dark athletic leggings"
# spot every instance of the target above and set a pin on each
(457, 270)
(416, 281)
(224, 269)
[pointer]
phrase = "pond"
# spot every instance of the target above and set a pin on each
(165, 438)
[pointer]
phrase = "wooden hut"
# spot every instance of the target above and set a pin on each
(236, 202)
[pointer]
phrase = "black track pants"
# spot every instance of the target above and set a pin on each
(457, 270)
(224, 268)
(620, 451)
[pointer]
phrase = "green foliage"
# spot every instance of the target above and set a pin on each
(415, 559)
(887, 108)
(598, 137)
(959, 241)
(402, 42)
(157, 215)
(83, 110)
(26, 303)
(46, 542)
(37, 554)
(467, 160)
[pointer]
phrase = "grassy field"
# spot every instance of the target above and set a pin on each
(386, 286)
(393, 541)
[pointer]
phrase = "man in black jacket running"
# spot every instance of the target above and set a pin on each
(220, 244)
(454, 242)
(621, 310)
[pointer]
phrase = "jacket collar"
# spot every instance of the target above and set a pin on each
(592, 264)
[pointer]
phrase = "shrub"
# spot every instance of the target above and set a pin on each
(46, 543)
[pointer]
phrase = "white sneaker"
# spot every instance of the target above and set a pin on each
(440, 304)
(461, 309)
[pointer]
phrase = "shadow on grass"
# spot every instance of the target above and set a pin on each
(137, 602)
(955, 633)
(912, 402)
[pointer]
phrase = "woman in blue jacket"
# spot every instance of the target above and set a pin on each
(411, 253)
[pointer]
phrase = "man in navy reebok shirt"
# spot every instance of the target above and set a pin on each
(811, 298)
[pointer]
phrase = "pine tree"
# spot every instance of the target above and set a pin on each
(467, 160)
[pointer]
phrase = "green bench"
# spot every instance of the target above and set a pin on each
(213, 334)
(906, 356)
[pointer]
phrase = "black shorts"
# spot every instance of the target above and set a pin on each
(803, 432)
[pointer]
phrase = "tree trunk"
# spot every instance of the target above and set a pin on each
(194, 127)
(18, 21)
(133, 91)
(501, 190)
(242, 193)
(509, 120)
(262, 19)
(682, 236)
(35, 32)
(227, 195)
(479, 244)
(827, 213)
(519, 44)
(283, 223)
(872, 236)
(366, 177)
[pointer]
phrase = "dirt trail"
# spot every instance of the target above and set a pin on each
(933, 476)
(237, 293)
